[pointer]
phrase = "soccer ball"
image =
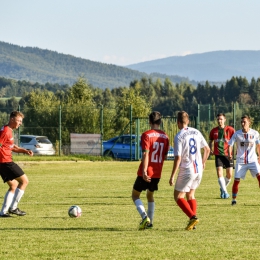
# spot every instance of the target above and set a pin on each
(74, 211)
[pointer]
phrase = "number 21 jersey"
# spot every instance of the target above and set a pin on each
(156, 142)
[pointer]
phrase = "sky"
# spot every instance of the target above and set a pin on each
(124, 32)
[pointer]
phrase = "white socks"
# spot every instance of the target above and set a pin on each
(222, 184)
(140, 208)
(17, 196)
(227, 181)
(7, 202)
(150, 211)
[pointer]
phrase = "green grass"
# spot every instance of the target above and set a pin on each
(107, 228)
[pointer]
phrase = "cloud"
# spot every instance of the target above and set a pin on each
(113, 59)
(186, 53)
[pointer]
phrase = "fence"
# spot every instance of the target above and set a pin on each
(58, 123)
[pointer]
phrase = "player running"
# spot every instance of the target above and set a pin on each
(247, 141)
(187, 157)
(10, 172)
(220, 136)
(155, 146)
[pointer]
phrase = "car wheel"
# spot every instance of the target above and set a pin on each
(109, 153)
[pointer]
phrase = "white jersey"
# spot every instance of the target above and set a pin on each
(187, 144)
(246, 145)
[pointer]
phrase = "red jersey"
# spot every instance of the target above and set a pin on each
(221, 136)
(157, 143)
(6, 144)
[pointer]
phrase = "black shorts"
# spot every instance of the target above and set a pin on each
(140, 184)
(10, 171)
(223, 161)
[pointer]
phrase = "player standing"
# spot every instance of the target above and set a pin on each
(220, 135)
(247, 141)
(10, 172)
(155, 145)
(187, 157)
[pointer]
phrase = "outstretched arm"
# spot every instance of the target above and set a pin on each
(18, 149)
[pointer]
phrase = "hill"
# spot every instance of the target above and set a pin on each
(38, 65)
(212, 66)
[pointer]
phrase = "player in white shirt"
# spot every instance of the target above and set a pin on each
(247, 142)
(187, 157)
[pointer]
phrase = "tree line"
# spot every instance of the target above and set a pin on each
(81, 103)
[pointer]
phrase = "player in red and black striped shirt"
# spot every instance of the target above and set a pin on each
(220, 136)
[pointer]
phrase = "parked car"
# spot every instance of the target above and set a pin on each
(40, 145)
(119, 147)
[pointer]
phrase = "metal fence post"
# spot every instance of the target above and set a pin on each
(59, 130)
(101, 128)
(234, 115)
(19, 132)
(209, 119)
(131, 110)
(198, 118)
(137, 120)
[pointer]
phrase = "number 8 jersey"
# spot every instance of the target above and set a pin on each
(156, 142)
(187, 144)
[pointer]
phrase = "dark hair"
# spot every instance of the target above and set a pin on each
(155, 118)
(16, 113)
(247, 117)
(221, 114)
(183, 117)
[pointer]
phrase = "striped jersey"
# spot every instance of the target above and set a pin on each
(246, 145)
(156, 142)
(221, 136)
(187, 144)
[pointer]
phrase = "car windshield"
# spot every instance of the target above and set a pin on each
(25, 139)
(43, 140)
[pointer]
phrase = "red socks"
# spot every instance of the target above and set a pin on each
(184, 205)
(258, 177)
(193, 205)
(235, 189)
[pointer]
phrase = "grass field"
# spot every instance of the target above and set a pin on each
(107, 228)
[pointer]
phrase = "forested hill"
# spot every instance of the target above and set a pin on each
(38, 65)
(211, 66)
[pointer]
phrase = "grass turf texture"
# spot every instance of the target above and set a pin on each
(107, 228)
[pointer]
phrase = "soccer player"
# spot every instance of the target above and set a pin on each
(187, 157)
(155, 145)
(247, 141)
(10, 172)
(220, 135)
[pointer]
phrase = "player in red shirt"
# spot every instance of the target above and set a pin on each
(220, 136)
(155, 146)
(10, 172)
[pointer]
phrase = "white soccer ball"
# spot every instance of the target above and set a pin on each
(74, 211)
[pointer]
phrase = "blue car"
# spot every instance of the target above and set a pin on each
(119, 147)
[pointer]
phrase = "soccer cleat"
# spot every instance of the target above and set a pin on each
(144, 223)
(5, 215)
(234, 202)
(17, 212)
(226, 195)
(149, 226)
(194, 227)
(192, 222)
(221, 194)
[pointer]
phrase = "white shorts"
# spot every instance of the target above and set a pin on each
(187, 180)
(241, 169)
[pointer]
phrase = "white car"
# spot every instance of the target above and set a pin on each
(40, 145)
